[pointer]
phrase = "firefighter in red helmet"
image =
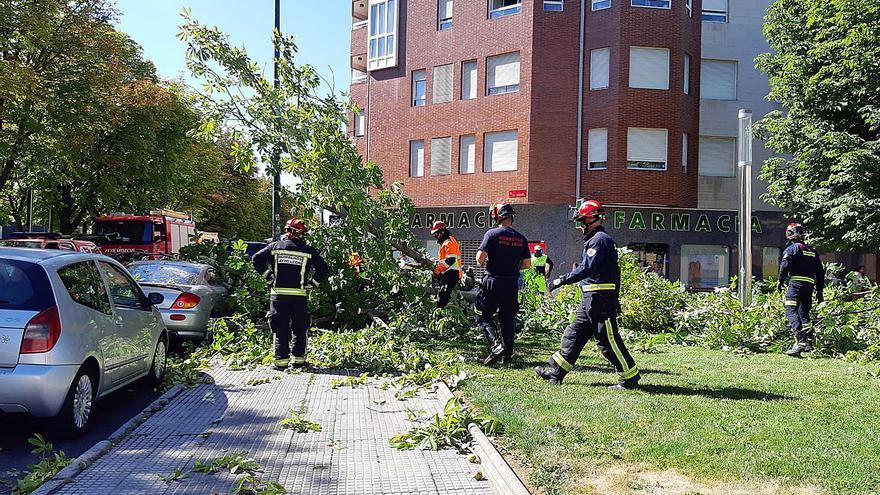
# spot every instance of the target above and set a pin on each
(448, 269)
(802, 269)
(505, 252)
(293, 263)
(599, 278)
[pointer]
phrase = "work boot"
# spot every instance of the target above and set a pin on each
(495, 354)
(551, 372)
(281, 364)
(507, 360)
(631, 384)
(299, 362)
(797, 349)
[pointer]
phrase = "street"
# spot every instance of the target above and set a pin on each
(111, 413)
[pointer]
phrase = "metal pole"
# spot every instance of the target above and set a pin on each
(744, 164)
(580, 110)
(276, 181)
(30, 210)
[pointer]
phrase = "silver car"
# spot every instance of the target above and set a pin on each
(192, 291)
(73, 328)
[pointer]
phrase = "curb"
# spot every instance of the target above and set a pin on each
(98, 450)
(502, 478)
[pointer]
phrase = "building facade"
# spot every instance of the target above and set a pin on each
(540, 102)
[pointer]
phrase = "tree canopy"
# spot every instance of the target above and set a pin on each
(825, 70)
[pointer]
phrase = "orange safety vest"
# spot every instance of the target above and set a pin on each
(449, 249)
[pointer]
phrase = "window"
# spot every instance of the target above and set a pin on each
(553, 5)
(649, 68)
(717, 156)
(654, 4)
(419, 87)
(500, 151)
(501, 8)
(646, 148)
(123, 292)
(687, 74)
(599, 68)
(502, 74)
(718, 80)
(601, 4)
(705, 266)
(416, 158)
(689, 7)
(443, 82)
(714, 10)
(359, 123)
(597, 149)
(85, 287)
(770, 262)
(444, 15)
(358, 76)
(684, 152)
(383, 29)
(469, 80)
(441, 156)
(467, 154)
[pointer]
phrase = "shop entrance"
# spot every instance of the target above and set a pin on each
(652, 257)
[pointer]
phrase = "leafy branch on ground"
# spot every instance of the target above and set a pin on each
(50, 464)
(349, 381)
(251, 485)
(296, 422)
(235, 463)
(447, 430)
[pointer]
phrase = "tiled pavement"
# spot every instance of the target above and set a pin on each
(350, 455)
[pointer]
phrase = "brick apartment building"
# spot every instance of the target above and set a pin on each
(539, 102)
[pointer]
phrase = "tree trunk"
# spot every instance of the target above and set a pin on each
(67, 211)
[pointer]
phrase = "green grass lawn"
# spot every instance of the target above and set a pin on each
(718, 419)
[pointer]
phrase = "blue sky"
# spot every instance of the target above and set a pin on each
(322, 29)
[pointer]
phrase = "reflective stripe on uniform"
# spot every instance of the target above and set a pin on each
(557, 356)
(627, 371)
(598, 287)
(302, 271)
(283, 291)
(808, 253)
(626, 375)
(789, 302)
(298, 359)
(282, 362)
(801, 278)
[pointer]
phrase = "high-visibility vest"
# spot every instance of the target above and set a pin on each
(449, 257)
(539, 263)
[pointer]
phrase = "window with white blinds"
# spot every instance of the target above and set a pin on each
(684, 152)
(383, 34)
(714, 10)
(553, 5)
(646, 148)
(718, 79)
(416, 158)
(469, 80)
(599, 68)
(467, 154)
(443, 82)
(359, 123)
(502, 74)
(687, 74)
(441, 156)
(717, 156)
(444, 15)
(500, 151)
(601, 5)
(648, 68)
(597, 149)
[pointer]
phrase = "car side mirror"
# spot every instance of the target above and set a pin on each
(154, 298)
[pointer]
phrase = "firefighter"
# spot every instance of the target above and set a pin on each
(448, 270)
(292, 263)
(504, 252)
(543, 267)
(599, 278)
(802, 269)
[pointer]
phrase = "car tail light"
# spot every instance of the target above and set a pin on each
(178, 317)
(186, 300)
(42, 332)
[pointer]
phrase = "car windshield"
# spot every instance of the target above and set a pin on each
(24, 286)
(22, 244)
(125, 231)
(166, 273)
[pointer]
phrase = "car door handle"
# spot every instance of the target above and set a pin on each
(119, 322)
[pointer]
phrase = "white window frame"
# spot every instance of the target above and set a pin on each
(509, 88)
(472, 83)
(360, 121)
(688, 5)
(715, 15)
(593, 136)
(424, 79)
(555, 6)
(597, 78)
(600, 5)
(381, 33)
(635, 3)
(686, 83)
(498, 12)
(467, 163)
(632, 49)
(684, 152)
(358, 76)
(444, 23)
(629, 161)
(488, 153)
(417, 169)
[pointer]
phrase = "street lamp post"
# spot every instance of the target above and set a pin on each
(745, 207)
(276, 180)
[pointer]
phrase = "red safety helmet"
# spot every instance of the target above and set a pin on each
(589, 211)
(795, 231)
(500, 211)
(437, 227)
(295, 227)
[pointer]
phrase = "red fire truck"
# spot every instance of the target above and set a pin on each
(158, 231)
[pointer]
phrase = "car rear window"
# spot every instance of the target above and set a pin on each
(24, 286)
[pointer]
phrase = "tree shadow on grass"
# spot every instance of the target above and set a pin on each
(731, 393)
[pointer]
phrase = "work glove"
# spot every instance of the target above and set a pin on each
(820, 297)
(555, 284)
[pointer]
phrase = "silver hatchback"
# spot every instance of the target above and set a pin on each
(73, 328)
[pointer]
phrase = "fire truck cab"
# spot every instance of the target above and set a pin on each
(157, 231)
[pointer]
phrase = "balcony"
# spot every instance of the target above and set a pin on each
(360, 9)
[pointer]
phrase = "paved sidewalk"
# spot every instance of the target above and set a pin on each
(350, 455)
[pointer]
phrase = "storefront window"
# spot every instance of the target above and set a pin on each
(652, 257)
(770, 262)
(705, 267)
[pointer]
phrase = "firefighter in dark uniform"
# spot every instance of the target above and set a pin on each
(505, 252)
(599, 278)
(293, 264)
(802, 269)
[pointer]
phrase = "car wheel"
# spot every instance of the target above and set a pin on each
(79, 406)
(160, 362)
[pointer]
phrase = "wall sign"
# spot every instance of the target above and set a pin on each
(517, 193)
